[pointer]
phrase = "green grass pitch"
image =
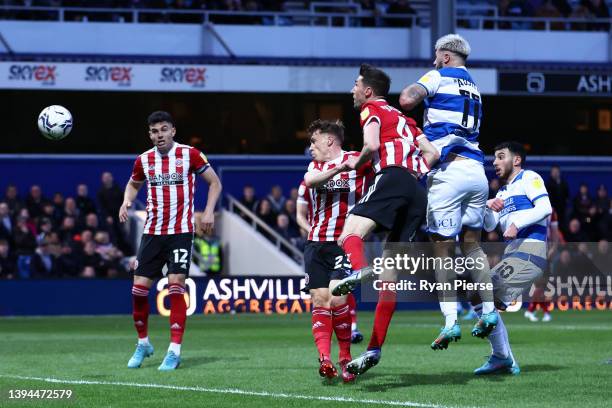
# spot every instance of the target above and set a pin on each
(270, 361)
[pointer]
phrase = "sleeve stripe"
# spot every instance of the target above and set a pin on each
(371, 118)
(424, 87)
(202, 169)
(540, 196)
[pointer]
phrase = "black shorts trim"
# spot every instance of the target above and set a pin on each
(155, 251)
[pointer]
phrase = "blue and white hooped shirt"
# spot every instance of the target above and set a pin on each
(453, 112)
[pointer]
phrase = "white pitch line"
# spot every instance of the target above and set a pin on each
(234, 391)
(540, 326)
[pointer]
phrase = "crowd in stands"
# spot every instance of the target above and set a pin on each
(277, 211)
(76, 236)
(561, 9)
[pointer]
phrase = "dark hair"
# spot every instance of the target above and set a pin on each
(336, 128)
(375, 79)
(515, 148)
(158, 117)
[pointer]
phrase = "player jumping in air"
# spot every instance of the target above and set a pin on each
(329, 191)
(457, 188)
(522, 209)
(395, 201)
(170, 169)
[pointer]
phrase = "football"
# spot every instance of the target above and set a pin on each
(55, 122)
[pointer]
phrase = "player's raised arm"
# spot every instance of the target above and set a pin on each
(371, 143)
(412, 96)
(214, 191)
(316, 178)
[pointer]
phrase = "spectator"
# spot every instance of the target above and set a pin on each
(70, 208)
(276, 199)
(562, 266)
(590, 224)
(558, 192)
(602, 201)
(400, 7)
(282, 228)
(12, 199)
(93, 264)
(68, 229)
(264, 212)
(248, 198)
(68, 263)
(8, 262)
(597, 9)
(516, 8)
(45, 227)
(290, 211)
(25, 245)
(58, 208)
(209, 247)
(92, 223)
(85, 204)
(110, 255)
(602, 257)
(582, 202)
(575, 232)
(548, 10)
(35, 201)
(6, 223)
(43, 265)
(25, 214)
(110, 197)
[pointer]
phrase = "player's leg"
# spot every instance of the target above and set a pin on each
(510, 278)
(480, 273)
(319, 261)
(445, 193)
(472, 221)
(341, 321)
(147, 267)
(178, 260)
(377, 209)
(352, 242)
(356, 336)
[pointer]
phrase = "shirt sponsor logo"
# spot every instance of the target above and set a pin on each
(166, 179)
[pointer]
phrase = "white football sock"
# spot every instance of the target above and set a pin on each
(144, 340)
(353, 326)
(488, 307)
(500, 347)
(175, 348)
(449, 310)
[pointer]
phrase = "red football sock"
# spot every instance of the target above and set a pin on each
(384, 312)
(353, 248)
(322, 330)
(350, 300)
(140, 309)
(532, 307)
(341, 319)
(178, 312)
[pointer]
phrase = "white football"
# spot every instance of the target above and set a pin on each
(55, 122)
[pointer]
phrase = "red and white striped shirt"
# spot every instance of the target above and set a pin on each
(329, 205)
(398, 138)
(170, 187)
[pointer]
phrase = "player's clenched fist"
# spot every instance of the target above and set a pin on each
(123, 211)
(496, 204)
